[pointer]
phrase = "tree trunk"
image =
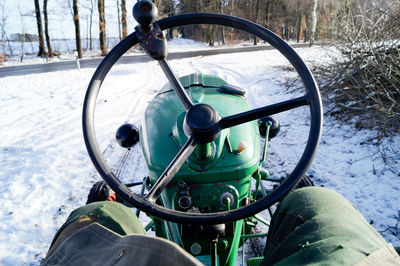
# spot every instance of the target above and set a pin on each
(102, 27)
(256, 19)
(268, 10)
(221, 28)
(46, 29)
(287, 23)
(22, 47)
(23, 34)
(123, 19)
(90, 24)
(119, 21)
(4, 36)
(87, 33)
(42, 50)
(77, 29)
(210, 35)
(314, 22)
(231, 32)
(299, 21)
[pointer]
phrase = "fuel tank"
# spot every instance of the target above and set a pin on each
(232, 156)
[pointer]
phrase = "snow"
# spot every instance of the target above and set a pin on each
(46, 172)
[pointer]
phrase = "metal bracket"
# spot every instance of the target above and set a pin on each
(152, 41)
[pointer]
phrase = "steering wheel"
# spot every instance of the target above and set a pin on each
(202, 122)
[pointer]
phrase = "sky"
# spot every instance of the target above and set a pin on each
(60, 19)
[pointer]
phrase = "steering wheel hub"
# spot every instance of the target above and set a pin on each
(201, 122)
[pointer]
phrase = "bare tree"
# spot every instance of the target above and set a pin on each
(314, 22)
(167, 9)
(77, 29)
(42, 50)
(23, 33)
(221, 28)
(123, 18)
(299, 15)
(46, 29)
(2, 25)
(255, 16)
(73, 8)
(87, 33)
(4, 36)
(91, 7)
(268, 11)
(102, 27)
(119, 21)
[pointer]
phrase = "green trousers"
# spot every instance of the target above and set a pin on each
(316, 225)
(310, 226)
(108, 233)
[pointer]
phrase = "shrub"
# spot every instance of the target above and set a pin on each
(365, 78)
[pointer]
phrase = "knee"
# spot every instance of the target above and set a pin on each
(310, 201)
(113, 215)
(307, 194)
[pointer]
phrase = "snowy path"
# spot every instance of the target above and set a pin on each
(46, 171)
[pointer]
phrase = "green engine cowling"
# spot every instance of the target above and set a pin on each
(162, 135)
(216, 163)
(217, 176)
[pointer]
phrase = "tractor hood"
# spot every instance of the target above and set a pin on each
(162, 134)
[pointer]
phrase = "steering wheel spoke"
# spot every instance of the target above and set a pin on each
(176, 84)
(171, 170)
(241, 118)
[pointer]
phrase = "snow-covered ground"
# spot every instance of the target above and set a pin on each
(45, 171)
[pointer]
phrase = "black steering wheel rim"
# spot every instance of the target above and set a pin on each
(312, 96)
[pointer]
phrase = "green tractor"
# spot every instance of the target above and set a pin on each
(201, 144)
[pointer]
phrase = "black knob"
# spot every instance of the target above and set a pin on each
(127, 135)
(145, 13)
(273, 129)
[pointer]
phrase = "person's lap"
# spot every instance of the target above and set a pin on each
(311, 226)
(316, 225)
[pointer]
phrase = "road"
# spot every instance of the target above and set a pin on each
(92, 63)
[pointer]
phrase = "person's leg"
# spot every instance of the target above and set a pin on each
(317, 225)
(108, 233)
(112, 215)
